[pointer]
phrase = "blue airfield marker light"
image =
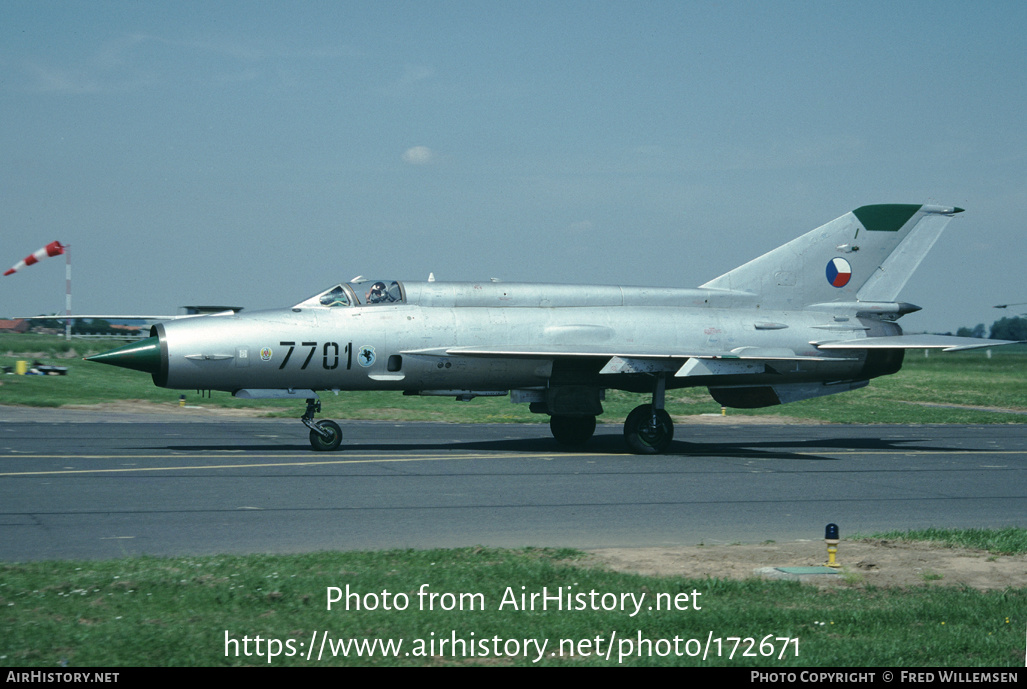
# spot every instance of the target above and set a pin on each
(831, 538)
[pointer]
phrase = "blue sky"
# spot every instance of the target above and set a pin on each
(253, 153)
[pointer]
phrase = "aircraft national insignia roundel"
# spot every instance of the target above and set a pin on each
(838, 272)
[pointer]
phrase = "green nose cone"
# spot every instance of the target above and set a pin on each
(138, 356)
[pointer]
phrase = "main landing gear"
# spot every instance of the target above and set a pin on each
(325, 435)
(648, 429)
(573, 431)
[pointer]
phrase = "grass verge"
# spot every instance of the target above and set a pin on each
(1011, 541)
(210, 611)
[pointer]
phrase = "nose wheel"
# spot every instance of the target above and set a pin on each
(325, 435)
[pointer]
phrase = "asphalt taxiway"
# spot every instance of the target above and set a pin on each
(82, 484)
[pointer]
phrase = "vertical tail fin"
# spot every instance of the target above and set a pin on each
(865, 255)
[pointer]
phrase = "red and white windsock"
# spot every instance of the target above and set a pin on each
(51, 249)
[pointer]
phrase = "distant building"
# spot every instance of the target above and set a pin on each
(133, 330)
(19, 325)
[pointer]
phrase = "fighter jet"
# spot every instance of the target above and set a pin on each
(813, 317)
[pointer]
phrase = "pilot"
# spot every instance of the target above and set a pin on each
(377, 293)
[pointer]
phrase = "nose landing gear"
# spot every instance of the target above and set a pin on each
(325, 435)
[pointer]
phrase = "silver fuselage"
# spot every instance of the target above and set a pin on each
(443, 336)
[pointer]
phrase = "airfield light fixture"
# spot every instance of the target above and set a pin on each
(831, 538)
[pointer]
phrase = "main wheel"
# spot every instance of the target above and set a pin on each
(646, 434)
(331, 442)
(573, 431)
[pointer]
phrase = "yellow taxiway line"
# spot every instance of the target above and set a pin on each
(380, 459)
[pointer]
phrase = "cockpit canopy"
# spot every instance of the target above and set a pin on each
(364, 292)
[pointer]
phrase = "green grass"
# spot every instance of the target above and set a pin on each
(1011, 541)
(957, 378)
(178, 612)
(51, 345)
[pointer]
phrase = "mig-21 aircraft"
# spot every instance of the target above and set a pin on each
(813, 317)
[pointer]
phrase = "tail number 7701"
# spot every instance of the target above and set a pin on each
(329, 354)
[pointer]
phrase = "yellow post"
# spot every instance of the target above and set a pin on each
(21, 367)
(831, 538)
(832, 553)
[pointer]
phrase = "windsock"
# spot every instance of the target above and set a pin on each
(51, 249)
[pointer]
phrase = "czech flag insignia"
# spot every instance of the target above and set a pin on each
(838, 272)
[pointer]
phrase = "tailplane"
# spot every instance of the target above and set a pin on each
(866, 255)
